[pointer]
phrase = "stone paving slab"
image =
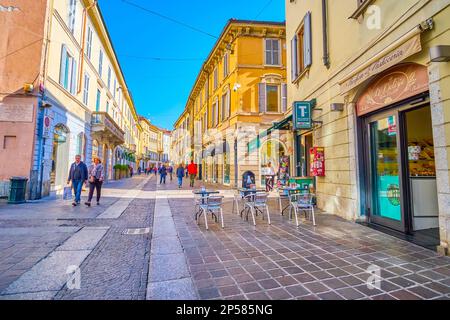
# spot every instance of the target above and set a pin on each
(85, 239)
(165, 267)
(50, 274)
(166, 245)
(43, 295)
(114, 212)
(281, 261)
(180, 289)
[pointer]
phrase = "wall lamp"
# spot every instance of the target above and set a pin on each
(440, 54)
(337, 107)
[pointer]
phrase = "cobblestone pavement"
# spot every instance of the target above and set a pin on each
(116, 266)
(281, 261)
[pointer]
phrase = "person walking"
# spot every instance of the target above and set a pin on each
(96, 177)
(180, 175)
(192, 170)
(78, 174)
(162, 174)
(170, 171)
(131, 170)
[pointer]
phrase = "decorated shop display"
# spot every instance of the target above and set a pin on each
(421, 158)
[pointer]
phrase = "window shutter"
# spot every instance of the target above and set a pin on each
(73, 82)
(63, 70)
(284, 97)
(262, 97)
(307, 45)
(294, 67)
(229, 103)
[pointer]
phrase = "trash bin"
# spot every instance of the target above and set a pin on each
(17, 190)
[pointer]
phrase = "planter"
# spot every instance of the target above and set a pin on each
(116, 174)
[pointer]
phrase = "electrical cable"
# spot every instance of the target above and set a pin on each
(169, 19)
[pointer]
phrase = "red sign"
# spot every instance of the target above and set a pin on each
(47, 122)
(317, 156)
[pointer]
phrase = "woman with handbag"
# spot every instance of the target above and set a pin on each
(95, 180)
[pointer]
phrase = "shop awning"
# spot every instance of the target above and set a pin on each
(284, 124)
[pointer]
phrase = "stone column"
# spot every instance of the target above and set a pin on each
(439, 77)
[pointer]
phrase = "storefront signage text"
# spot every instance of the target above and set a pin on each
(302, 115)
(404, 51)
(401, 82)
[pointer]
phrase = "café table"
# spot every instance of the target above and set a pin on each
(246, 192)
(204, 193)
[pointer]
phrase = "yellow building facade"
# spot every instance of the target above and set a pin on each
(376, 75)
(239, 92)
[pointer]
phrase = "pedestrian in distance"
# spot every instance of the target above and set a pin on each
(180, 175)
(170, 171)
(131, 171)
(162, 174)
(96, 177)
(78, 175)
(155, 170)
(192, 170)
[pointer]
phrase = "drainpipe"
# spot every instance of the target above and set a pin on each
(83, 44)
(326, 54)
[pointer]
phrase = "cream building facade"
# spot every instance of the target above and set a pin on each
(83, 102)
(379, 92)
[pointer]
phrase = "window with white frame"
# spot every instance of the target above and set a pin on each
(72, 10)
(272, 97)
(216, 78)
(109, 78)
(89, 42)
(68, 71)
(226, 64)
(115, 88)
(100, 63)
(272, 52)
(86, 89)
(97, 103)
(226, 105)
(301, 48)
(215, 113)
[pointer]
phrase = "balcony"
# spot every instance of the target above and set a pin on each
(105, 129)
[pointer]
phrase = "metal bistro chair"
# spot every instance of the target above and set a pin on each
(304, 202)
(282, 194)
(213, 204)
(238, 196)
(257, 202)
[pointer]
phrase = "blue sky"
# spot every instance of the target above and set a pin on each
(160, 88)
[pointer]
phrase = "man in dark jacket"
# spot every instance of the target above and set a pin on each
(78, 174)
(162, 174)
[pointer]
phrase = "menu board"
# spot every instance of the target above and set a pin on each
(317, 156)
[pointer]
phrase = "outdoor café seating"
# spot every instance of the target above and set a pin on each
(256, 203)
(302, 202)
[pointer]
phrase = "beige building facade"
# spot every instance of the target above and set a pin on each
(380, 109)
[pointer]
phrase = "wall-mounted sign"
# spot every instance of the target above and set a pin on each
(47, 125)
(399, 83)
(394, 57)
(317, 156)
(302, 115)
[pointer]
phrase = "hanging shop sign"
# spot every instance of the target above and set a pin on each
(317, 162)
(302, 115)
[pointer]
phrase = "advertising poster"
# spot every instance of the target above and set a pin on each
(317, 156)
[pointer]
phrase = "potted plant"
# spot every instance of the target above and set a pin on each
(117, 167)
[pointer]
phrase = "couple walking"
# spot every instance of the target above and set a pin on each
(191, 170)
(80, 174)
